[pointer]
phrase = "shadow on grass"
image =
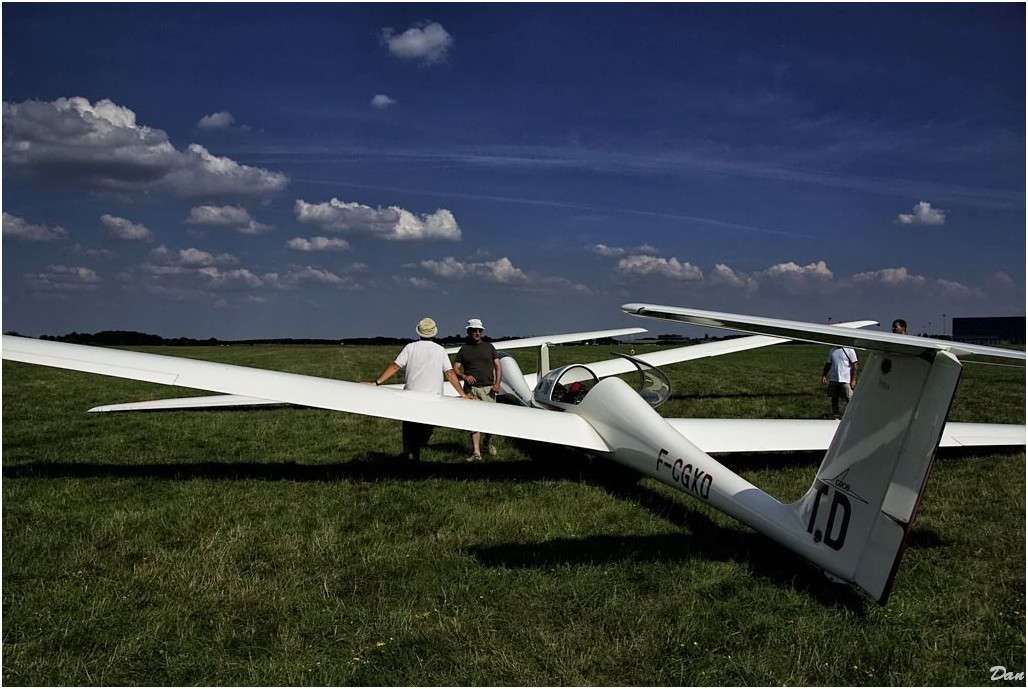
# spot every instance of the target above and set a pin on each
(702, 538)
(370, 467)
(705, 539)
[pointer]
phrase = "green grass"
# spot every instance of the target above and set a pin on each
(285, 547)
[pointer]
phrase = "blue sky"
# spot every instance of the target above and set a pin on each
(339, 170)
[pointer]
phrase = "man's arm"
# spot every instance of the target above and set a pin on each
(459, 372)
(385, 375)
(451, 376)
(497, 375)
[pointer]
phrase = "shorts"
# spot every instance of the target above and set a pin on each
(482, 392)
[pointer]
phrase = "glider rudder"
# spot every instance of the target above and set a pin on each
(865, 497)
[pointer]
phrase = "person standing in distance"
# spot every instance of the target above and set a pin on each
(478, 366)
(427, 366)
(840, 375)
(899, 326)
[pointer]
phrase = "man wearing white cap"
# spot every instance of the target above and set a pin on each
(427, 364)
(478, 365)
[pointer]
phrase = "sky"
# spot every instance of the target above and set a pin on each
(342, 170)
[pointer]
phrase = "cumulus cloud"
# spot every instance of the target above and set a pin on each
(415, 282)
(100, 147)
(500, 271)
(616, 251)
(392, 223)
(382, 101)
(60, 279)
(923, 214)
(890, 277)
(723, 275)
(217, 120)
(670, 268)
(236, 218)
(190, 257)
(317, 244)
(125, 230)
(795, 272)
(1002, 279)
(427, 41)
(297, 275)
(103, 254)
(191, 273)
(20, 229)
(951, 288)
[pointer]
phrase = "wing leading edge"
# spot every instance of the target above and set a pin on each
(830, 334)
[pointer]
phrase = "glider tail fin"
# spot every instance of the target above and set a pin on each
(867, 492)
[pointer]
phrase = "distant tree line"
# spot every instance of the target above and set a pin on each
(130, 338)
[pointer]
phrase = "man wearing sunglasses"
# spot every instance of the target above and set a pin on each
(478, 366)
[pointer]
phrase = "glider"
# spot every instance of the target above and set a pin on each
(851, 523)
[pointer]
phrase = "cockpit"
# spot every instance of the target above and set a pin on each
(565, 387)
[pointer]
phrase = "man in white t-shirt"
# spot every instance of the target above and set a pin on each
(840, 374)
(427, 367)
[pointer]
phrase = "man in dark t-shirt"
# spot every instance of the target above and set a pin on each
(478, 365)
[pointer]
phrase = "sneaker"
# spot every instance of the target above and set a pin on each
(475, 458)
(492, 450)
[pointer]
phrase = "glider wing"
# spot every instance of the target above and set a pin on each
(831, 334)
(309, 391)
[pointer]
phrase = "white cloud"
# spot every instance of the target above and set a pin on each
(218, 120)
(1003, 279)
(392, 223)
(19, 229)
(670, 268)
(500, 271)
(794, 271)
(890, 277)
(297, 274)
(191, 257)
(235, 277)
(615, 251)
(126, 230)
(235, 218)
(923, 214)
(61, 279)
(317, 244)
(194, 274)
(73, 142)
(416, 282)
(951, 288)
(427, 41)
(723, 275)
(382, 101)
(104, 254)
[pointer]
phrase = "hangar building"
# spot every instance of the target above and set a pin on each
(994, 330)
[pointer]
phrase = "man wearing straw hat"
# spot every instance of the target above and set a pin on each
(426, 363)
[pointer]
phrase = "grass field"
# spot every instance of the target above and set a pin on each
(286, 547)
